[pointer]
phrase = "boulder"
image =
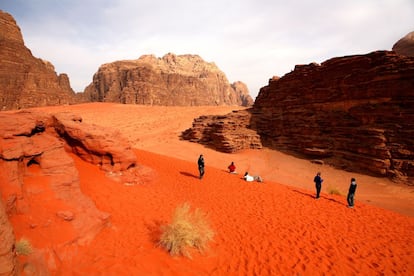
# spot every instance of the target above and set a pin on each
(228, 133)
(95, 144)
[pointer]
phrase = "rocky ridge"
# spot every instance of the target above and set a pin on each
(405, 46)
(26, 81)
(183, 80)
(227, 133)
(355, 112)
(35, 146)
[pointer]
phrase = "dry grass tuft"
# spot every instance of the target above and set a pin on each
(334, 191)
(186, 230)
(23, 247)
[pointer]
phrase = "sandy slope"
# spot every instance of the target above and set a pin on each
(156, 129)
(271, 228)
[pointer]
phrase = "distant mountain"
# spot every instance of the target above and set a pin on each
(405, 46)
(180, 80)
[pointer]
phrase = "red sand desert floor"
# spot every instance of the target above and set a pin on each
(270, 228)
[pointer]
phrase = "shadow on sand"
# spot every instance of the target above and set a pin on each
(189, 174)
(324, 197)
(305, 194)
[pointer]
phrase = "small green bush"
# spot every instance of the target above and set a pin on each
(23, 247)
(186, 230)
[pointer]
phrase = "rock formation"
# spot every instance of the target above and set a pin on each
(184, 80)
(242, 93)
(7, 241)
(355, 112)
(228, 133)
(31, 139)
(101, 146)
(26, 81)
(405, 46)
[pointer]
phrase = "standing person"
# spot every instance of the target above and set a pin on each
(318, 184)
(351, 193)
(200, 163)
(232, 168)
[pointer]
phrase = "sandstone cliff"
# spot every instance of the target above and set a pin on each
(39, 182)
(184, 80)
(405, 46)
(355, 112)
(26, 81)
(7, 251)
(227, 133)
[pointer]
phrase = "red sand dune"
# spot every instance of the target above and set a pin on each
(270, 228)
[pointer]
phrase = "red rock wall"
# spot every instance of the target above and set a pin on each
(185, 80)
(7, 241)
(26, 81)
(35, 139)
(355, 111)
(227, 133)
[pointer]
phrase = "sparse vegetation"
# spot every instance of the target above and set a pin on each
(334, 191)
(23, 247)
(188, 229)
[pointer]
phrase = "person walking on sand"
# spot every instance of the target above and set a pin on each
(351, 193)
(318, 184)
(232, 168)
(200, 163)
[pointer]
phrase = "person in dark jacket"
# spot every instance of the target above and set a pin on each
(318, 184)
(351, 193)
(200, 163)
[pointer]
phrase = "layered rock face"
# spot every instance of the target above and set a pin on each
(405, 46)
(356, 111)
(7, 252)
(227, 133)
(26, 81)
(184, 80)
(35, 146)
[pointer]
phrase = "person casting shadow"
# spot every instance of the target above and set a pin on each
(200, 163)
(318, 184)
(351, 193)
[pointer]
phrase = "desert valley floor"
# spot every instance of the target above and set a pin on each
(270, 228)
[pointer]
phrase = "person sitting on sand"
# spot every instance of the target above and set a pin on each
(251, 178)
(232, 168)
(248, 177)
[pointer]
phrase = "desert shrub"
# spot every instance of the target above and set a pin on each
(334, 191)
(23, 247)
(188, 229)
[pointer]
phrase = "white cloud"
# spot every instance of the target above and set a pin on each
(250, 40)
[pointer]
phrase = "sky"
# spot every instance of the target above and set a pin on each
(249, 40)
